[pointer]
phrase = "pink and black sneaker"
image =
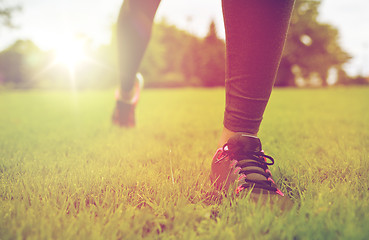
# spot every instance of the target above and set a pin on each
(242, 162)
(124, 112)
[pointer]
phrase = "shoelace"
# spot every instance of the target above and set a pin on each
(253, 159)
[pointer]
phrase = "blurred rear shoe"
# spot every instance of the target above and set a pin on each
(124, 112)
(241, 164)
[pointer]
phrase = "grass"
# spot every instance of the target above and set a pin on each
(67, 173)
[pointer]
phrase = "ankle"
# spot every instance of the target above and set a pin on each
(124, 96)
(127, 96)
(227, 134)
(130, 96)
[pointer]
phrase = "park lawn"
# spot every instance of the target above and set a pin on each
(67, 173)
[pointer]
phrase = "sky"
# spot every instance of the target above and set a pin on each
(49, 22)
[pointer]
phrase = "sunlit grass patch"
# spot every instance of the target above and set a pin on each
(67, 173)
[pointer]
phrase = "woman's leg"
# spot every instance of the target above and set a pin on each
(134, 30)
(255, 35)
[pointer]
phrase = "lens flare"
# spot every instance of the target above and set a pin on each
(70, 52)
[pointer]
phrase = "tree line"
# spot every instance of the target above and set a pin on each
(176, 58)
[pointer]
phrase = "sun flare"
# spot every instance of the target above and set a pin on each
(70, 53)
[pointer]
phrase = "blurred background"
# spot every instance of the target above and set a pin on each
(71, 44)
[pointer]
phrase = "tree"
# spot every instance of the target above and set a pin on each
(312, 47)
(6, 13)
(212, 68)
(11, 65)
(162, 63)
(191, 61)
(20, 62)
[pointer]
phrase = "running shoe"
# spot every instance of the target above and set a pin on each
(241, 163)
(124, 112)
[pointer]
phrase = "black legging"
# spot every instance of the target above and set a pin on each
(255, 36)
(134, 31)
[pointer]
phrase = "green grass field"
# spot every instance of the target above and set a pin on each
(67, 173)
